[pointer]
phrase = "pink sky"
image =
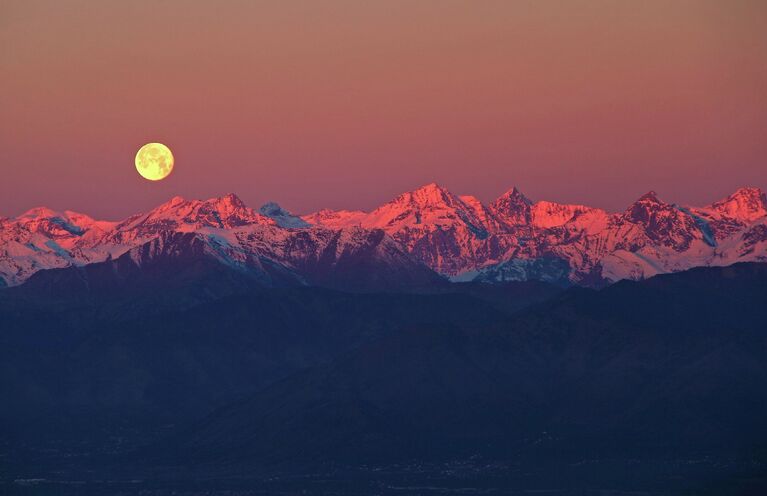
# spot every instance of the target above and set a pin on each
(346, 103)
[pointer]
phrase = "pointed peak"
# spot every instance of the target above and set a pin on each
(224, 212)
(513, 207)
(645, 207)
(747, 192)
(428, 194)
(228, 201)
(49, 221)
(431, 190)
(515, 195)
(282, 217)
(273, 209)
(227, 205)
(232, 199)
(271, 206)
(745, 204)
(39, 213)
(431, 187)
(650, 196)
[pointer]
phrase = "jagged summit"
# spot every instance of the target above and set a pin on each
(453, 235)
(546, 214)
(335, 219)
(513, 207)
(39, 212)
(232, 200)
(645, 207)
(515, 192)
(222, 212)
(748, 192)
(428, 194)
(745, 204)
(649, 197)
(282, 217)
(428, 205)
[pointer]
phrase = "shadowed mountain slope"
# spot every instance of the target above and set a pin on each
(673, 365)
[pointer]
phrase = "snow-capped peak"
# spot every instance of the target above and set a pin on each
(428, 205)
(513, 207)
(546, 214)
(450, 234)
(282, 217)
(59, 224)
(644, 207)
(335, 219)
(651, 196)
(39, 213)
(745, 204)
(514, 192)
(179, 214)
(428, 195)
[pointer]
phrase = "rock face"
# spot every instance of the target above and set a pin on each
(282, 217)
(512, 238)
(222, 230)
(515, 238)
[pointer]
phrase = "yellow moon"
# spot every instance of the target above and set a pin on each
(154, 161)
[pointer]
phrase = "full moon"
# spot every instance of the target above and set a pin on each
(154, 161)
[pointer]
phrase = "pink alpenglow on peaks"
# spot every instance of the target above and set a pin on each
(513, 207)
(546, 214)
(335, 218)
(746, 205)
(455, 237)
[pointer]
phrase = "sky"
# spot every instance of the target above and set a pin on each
(345, 104)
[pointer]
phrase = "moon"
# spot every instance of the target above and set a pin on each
(154, 161)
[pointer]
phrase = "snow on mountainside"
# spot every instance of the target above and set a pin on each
(335, 219)
(223, 229)
(464, 239)
(513, 208)
(187, 215)
(745, 205)
(732, 214)
(42, 238)
(544, 214)
(434, 225)
(512, 238)
(282, 217)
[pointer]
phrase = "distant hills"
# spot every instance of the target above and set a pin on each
(675, 365)
(120, 371)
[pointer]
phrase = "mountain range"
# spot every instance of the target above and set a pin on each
(434, 342)
(420, 238)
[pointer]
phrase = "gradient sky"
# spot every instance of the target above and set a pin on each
(340, 103)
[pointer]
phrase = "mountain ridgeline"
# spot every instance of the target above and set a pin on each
(420, 238)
